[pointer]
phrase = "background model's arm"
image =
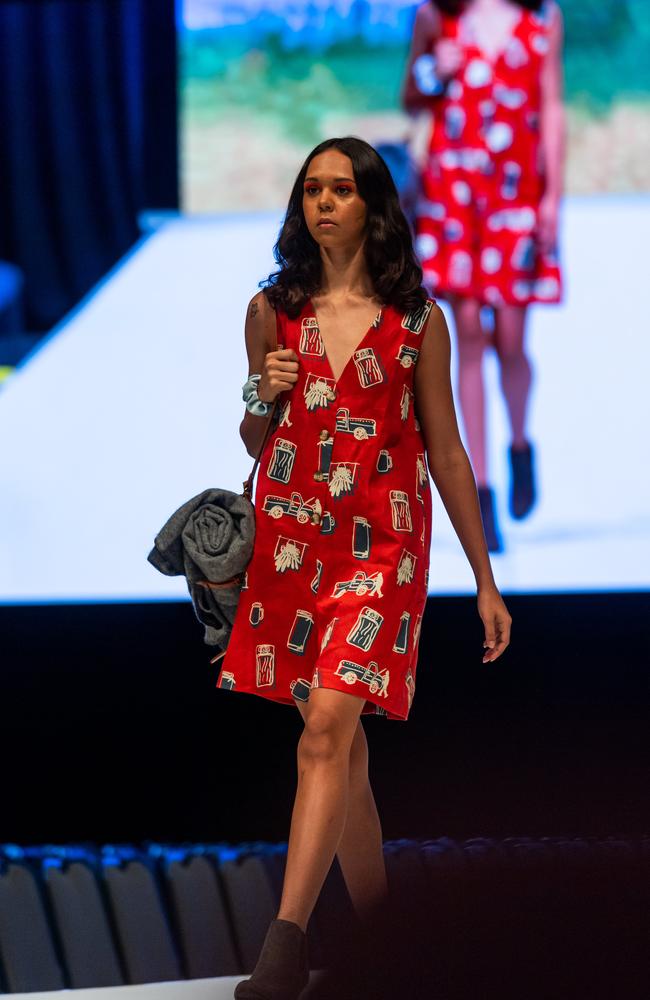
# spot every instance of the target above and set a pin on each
(553, 132)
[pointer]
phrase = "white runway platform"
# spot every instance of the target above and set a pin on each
(132, 405)
(190, 989)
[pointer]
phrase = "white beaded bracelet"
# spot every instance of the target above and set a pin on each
(253, 402)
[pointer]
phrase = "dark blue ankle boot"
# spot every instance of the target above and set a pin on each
(522, 480)
(489, 518)
(282, 969)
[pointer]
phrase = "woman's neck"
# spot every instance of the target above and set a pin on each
(344, 275)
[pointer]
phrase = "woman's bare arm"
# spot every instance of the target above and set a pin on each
(277, 368)
(452, 473)
(552, 110)
(450, 467)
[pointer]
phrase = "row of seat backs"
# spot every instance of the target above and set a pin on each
(75, 916)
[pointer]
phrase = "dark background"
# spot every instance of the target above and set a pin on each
(88, 140)
(112, 728)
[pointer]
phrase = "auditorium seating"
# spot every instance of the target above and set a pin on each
(86, 915)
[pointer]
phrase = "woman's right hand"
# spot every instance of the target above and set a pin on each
(279, 374)
(449, 58)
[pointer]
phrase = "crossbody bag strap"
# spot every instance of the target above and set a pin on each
(248, 485)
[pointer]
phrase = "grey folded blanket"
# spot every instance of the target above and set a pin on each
(210, 538)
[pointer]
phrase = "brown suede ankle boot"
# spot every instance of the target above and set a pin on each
(282, 969)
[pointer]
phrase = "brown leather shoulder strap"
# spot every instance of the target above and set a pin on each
(248, 485)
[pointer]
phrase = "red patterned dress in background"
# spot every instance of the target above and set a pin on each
(483, 182)
(336, 588)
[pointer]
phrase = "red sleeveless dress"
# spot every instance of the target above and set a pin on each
(482, 186)
(336, 587)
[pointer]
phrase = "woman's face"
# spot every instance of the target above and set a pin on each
(330, 194)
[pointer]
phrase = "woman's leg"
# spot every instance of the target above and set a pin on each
(515, 368)
(360, 850)
(322, 795)
(364, 870)
(471, 341)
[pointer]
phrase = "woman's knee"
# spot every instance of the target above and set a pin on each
(469, 330)
(509, 333)
(323, 738)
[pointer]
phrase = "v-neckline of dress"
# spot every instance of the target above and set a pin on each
(375, 323)
(510, 35)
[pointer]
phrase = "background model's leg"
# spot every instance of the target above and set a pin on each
(471, 342)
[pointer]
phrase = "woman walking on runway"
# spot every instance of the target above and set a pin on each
(490, 71)
(346, 340)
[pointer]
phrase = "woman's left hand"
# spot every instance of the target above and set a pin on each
(547, 224)
(496, 619)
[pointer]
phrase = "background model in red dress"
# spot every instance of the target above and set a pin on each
(482, 186)
(337, 584)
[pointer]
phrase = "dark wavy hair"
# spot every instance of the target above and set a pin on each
(455, 7)
(390, 258)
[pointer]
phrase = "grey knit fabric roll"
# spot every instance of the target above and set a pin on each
(210, 537)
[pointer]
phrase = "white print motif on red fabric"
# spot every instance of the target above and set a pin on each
(400, 511)
(410, 687)
(414, 321)
(361, 537)
(364, 631)
(300, 631)
(421, 476)
(318, 391)
(325, 444)
(402, 638)
(405, 402)
(265, 665)
(327, 635)
(294, 506)
(360, 584)
(416, 630)
(406, 568)
(342, 478)
(227, 680)
(407, 356)
(315, 583)
(282, 459)
(256, 614)
(370, 370)
(300, 689)
(384, 461)
(311, 342)
(361, 427)
(285, 410)
(376, 679)
(288, 554)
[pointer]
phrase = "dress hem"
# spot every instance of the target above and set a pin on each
(280, 700)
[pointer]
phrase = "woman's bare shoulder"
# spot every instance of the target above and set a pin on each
(260, 306)
(260, 325)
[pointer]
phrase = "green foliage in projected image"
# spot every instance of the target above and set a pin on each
(606, 60)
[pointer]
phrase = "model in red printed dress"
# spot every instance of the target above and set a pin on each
(356, 354)
(489, 71)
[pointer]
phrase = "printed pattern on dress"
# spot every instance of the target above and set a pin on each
(482, 186)
(338, 575)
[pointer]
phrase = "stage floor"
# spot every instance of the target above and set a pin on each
(221, 988)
